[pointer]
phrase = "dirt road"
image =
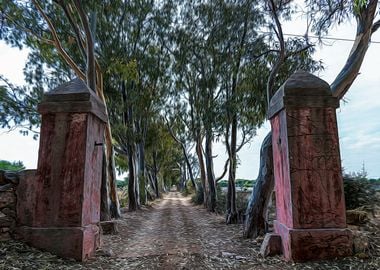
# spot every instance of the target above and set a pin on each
(173, 234)
(177, 235)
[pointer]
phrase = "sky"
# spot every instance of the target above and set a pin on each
(358, 117)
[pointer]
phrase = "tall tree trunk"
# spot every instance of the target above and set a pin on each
(111, 175)
(189, 169)
(137, 174)
(364, 30)
(256, 213)
(185, 155)
(149, 175)
(211, 204)
(202, 168)
(182, 183)
(132, 200)
(155, 172)
(232, 214)
(142, 177)
(105, 210)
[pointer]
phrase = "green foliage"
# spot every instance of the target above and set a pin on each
(374, 181)
(189, 189)
(241, 183)
(359, 5)
(241, 203)
(223, 183)
(244, 183)
(18, 107)
(360, 191)
(11, 166)
(122, 183)
(198, 196)
(123, 196)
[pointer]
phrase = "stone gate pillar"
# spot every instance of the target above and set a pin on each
(60, 206)
(307, 169)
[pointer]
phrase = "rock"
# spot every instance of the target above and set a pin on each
(361, 242)
(227, 254)
(3, 181)
(6, 187)
(104, 253)
(271, 245)
(5, 236)
(356, 217)
(7, 199)
(6, 221)
(109, 227)
(8, 212)
(362, 256)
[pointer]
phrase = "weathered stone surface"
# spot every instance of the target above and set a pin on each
(307, 169)
(26, 193)
(7, 199)
(6, 187)
(5, 236)
(271, 245)
(6, 221)
(8, 177)
(9, 212)
(58, 205)
(79, 243)
(109, 227)
(356, 217)
(72, 97)
(302, 90)
(314, 244)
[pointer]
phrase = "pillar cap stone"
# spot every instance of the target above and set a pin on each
(73, 97)
(302, 89)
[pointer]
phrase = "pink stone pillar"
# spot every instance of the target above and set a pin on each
(310, 203)
(61, 203)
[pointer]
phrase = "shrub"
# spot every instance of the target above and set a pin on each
(188, 188)
(241, 202)
(123, 196)
(11, 166)
(359, 192)
(198, 197)
(122, 183)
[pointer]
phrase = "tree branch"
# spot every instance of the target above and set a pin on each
(74, 26)
(281, 57)
(224, 171)
(351, 69)
(91, 76)
(58, 44)
(375, 26)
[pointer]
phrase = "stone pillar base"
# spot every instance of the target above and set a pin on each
(314, 244)
(79, 243)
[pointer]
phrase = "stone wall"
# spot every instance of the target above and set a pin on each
(8, 183)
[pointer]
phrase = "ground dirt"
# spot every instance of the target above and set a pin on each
(173, 234)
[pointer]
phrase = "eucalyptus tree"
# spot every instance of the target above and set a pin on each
(43, 28)
(138, 80)
(130, 62)
(217, 51)
(244, 52)
(163, 153)
(198, 54)
(322, 16)
(179, 133)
